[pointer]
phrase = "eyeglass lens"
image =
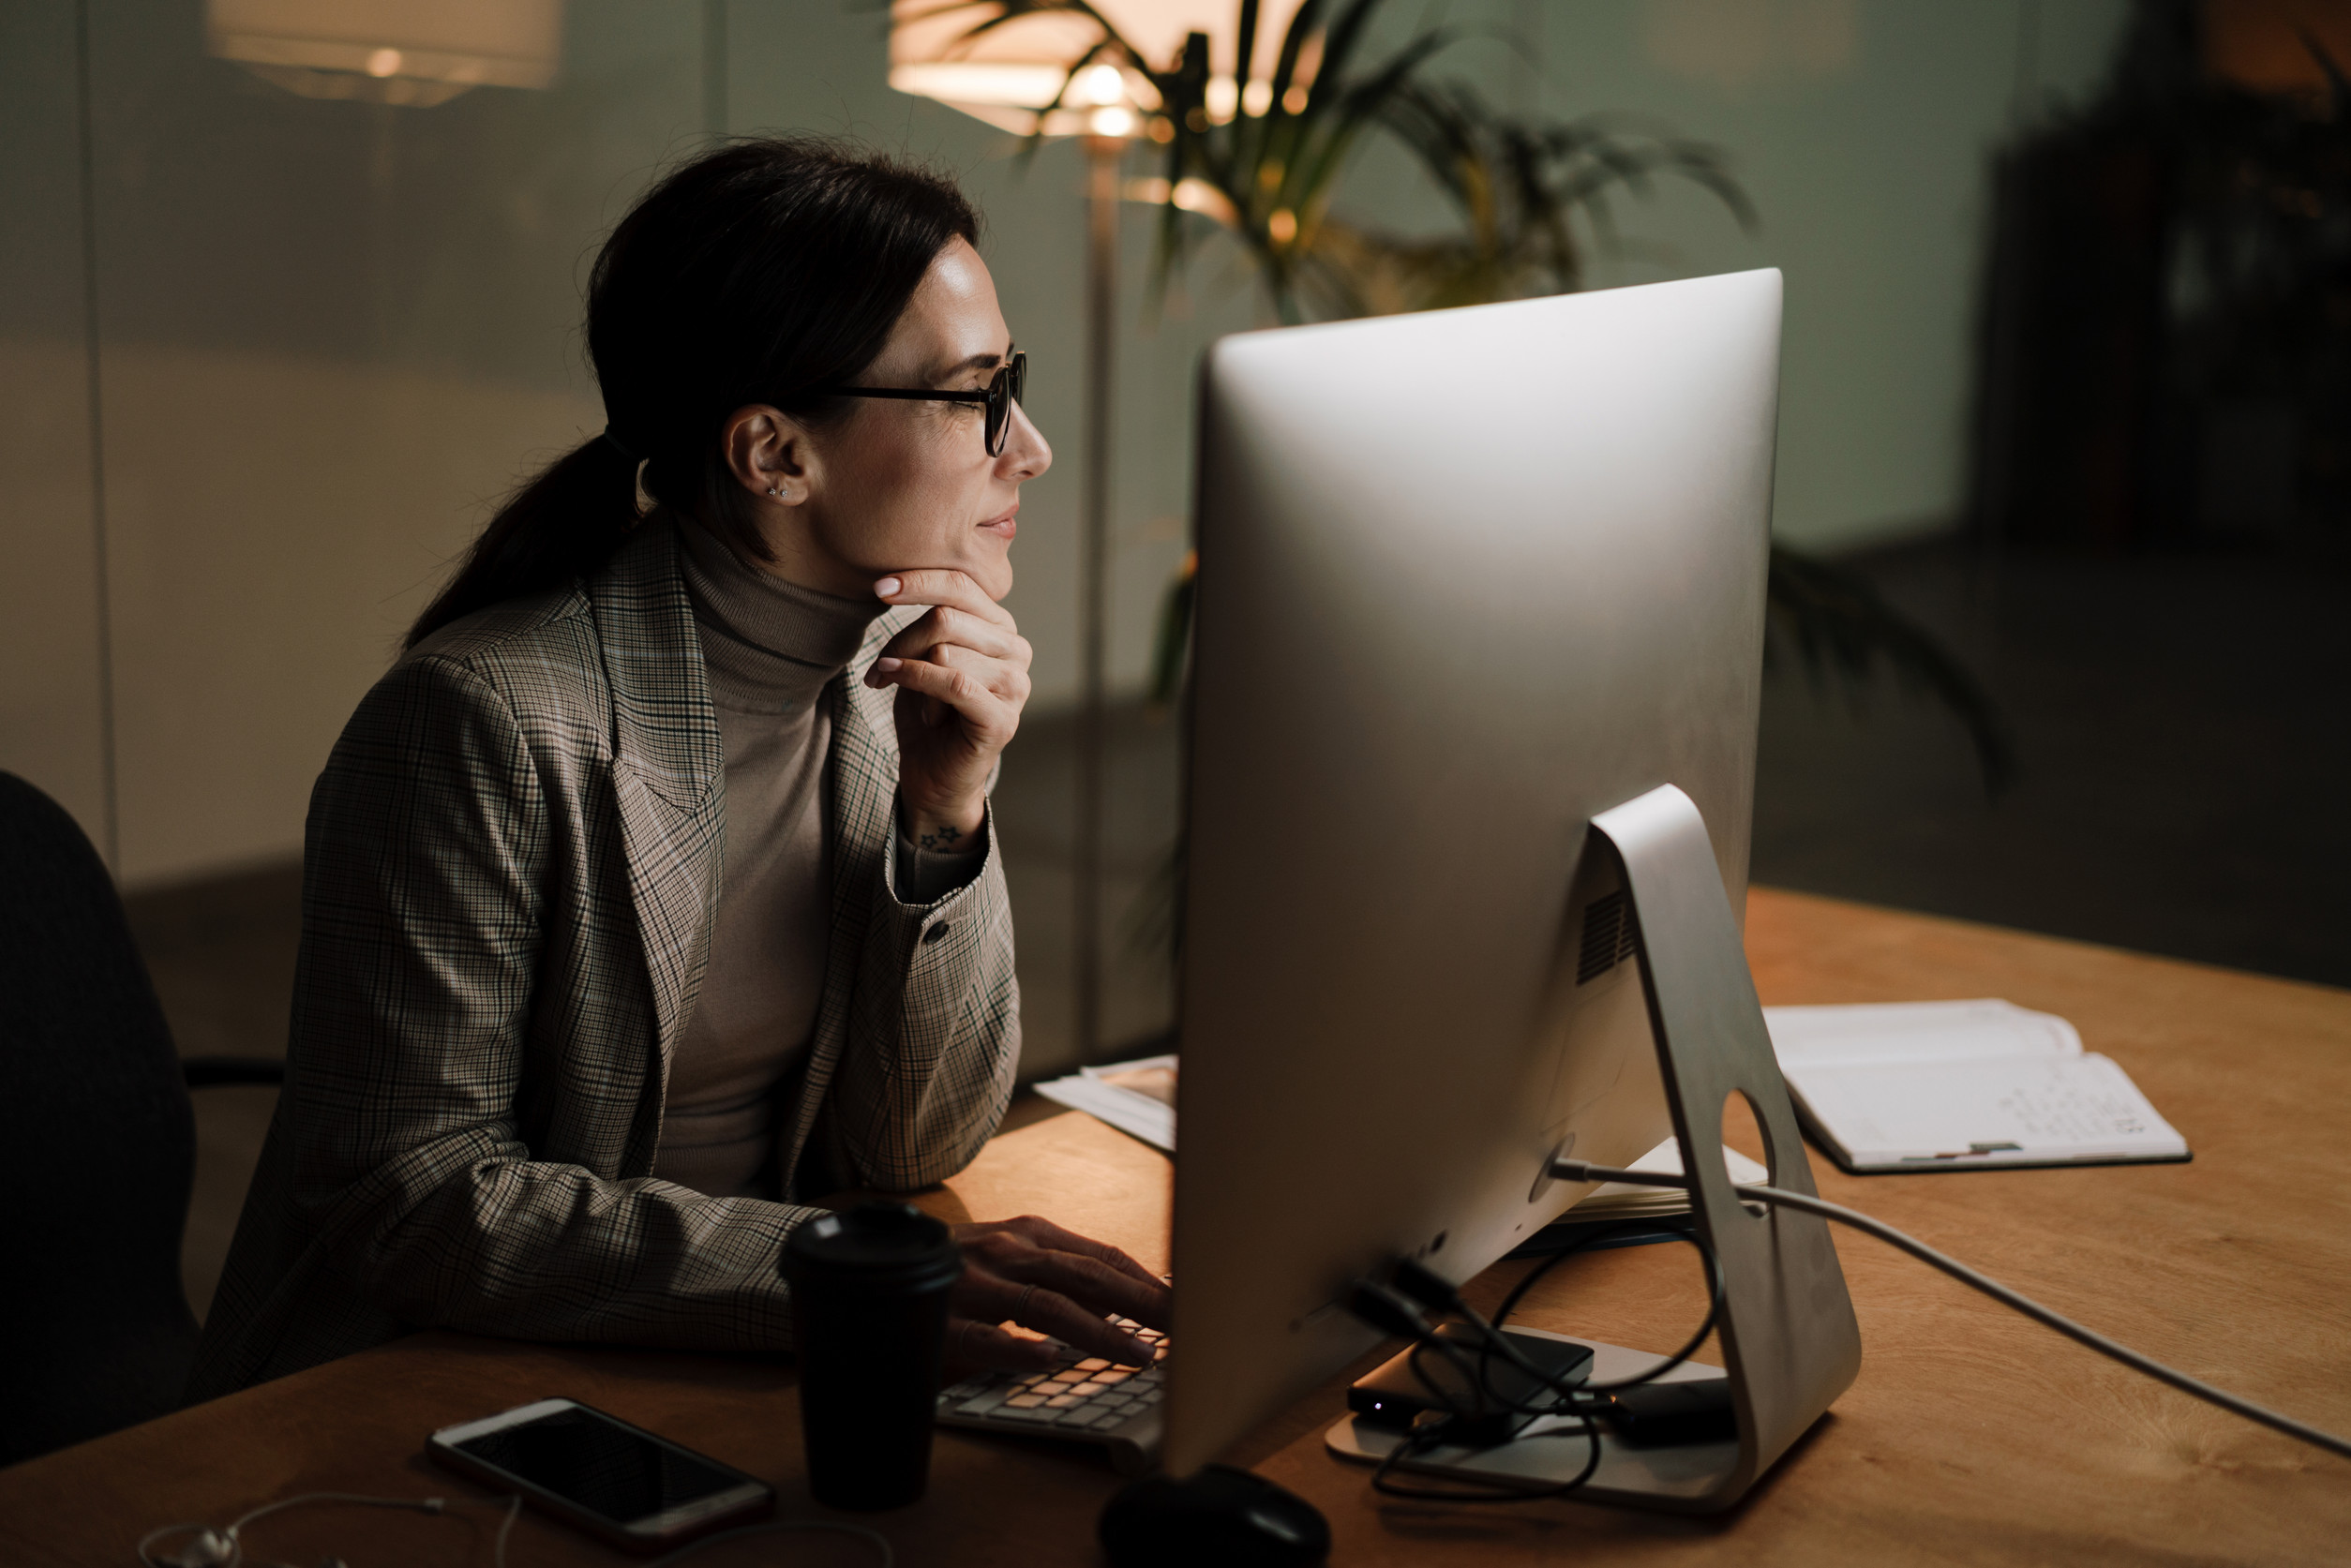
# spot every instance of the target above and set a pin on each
(1003, 390)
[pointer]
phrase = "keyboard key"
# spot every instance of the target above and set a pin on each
(981, 1404)
(1025, 1401)
(1091, 1364)
(1026, 1417)
(1062, 1401)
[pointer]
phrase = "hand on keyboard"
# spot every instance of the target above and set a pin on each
(1032, 1271)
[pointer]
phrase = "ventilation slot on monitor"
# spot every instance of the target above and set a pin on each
(1610, 935)
(1603, 929)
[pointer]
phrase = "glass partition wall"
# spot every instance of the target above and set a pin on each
(290, 293)
(284, 309)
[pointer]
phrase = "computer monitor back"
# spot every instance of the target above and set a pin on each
(1467, 580)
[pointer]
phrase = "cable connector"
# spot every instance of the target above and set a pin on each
(1387, 1310)
(1426, 1286)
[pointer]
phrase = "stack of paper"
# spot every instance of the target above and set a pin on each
(1137, 1096)
(1622, 1200)
(1960, 1085)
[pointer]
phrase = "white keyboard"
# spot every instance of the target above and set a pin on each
(1086, 1399)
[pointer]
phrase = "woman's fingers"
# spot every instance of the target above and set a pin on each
(1044, 1232)
(1031, 1251)
(973, 1343)
(1004, 677)
(1051, 1313)
(1058, 1282)
(1034, 1305)
(1090, 1281)
(1058, 1240)
(947, 627)
(992, 717)
(942, 586)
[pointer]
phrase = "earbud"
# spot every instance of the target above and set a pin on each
(205, 1549)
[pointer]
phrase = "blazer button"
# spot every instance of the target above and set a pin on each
(935, 931)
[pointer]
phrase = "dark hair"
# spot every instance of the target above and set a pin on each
(766, 272)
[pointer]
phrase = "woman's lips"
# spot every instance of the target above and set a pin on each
(1004, 527)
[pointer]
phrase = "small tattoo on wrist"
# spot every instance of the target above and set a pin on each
(941, 839)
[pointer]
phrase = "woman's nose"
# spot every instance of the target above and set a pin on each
(1026, 453)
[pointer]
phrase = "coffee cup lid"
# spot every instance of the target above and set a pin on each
(878, 1246)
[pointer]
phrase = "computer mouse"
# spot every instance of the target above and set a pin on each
(1234, 1518)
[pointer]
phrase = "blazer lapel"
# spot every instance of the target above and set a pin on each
(668, 767)
(861, 800)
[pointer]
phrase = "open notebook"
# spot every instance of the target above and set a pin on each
(1960, 1085)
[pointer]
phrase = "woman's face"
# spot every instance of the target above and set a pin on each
(900, 485)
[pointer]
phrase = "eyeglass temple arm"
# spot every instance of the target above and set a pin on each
(911, 393)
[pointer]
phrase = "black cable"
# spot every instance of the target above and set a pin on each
(1421, 1439)
(1713, 1300)
(1439, 1295)
(1569, 1399)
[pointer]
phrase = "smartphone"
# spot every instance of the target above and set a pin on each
(639, 1492)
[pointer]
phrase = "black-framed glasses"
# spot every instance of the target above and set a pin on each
(1005, 388)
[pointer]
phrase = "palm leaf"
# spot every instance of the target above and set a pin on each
(1842, 632)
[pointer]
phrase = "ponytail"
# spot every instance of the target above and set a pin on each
(769, 270)
(565, 524)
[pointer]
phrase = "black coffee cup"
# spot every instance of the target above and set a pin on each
(869, 1314)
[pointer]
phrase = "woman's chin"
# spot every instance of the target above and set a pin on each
(991, 567)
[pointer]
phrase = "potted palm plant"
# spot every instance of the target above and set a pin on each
(1257, 160)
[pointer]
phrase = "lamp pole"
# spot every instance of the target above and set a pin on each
(1103, 155)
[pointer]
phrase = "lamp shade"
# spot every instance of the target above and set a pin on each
(1016, 76)
(417, 52)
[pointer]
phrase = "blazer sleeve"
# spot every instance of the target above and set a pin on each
(430, 845)
(934, 1031)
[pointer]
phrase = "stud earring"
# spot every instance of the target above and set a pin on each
(776, 491)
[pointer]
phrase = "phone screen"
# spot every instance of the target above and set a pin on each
(600, 1464)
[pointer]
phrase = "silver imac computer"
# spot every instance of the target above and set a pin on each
(1471, 583)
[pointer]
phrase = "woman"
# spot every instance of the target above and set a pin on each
(654, 890)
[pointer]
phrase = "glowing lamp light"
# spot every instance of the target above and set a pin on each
(416, 52)
(1016, 76)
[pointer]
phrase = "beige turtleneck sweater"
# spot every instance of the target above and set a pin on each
(771, 647)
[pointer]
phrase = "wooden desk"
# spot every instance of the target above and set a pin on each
(1971, 1436)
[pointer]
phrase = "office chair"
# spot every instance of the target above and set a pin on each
(98, 1143)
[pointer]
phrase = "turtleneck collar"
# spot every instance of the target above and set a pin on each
(770, 645)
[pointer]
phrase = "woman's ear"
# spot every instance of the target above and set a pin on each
(767, 452)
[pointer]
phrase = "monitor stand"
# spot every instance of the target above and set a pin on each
(1789, 1343)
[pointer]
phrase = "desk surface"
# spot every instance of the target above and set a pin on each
(1972, 1436)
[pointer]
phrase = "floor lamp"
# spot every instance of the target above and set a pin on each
(1000, 77)
(1103, 156)
(967, 54)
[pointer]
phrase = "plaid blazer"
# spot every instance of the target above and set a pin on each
(511, 868)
